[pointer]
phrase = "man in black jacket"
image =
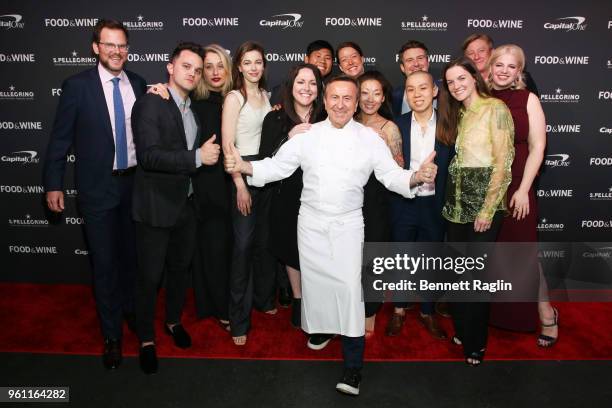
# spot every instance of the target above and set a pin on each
(167, 137)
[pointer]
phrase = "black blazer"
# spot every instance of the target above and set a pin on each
(82, 121)
(165, 164)
(444, 154)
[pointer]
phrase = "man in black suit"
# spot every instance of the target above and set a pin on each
(420, 219)
(93, 117)
(167, 137)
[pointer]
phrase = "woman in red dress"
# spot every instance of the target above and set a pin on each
(506, 81)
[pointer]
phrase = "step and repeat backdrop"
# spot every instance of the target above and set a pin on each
(567, 44)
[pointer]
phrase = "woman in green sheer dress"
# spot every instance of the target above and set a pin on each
(482, 130)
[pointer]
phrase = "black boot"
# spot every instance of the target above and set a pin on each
(296, 313)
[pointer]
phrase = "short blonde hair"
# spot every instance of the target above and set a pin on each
(518, 53)
(202, 90)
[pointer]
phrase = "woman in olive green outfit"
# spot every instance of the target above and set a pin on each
(483, 132)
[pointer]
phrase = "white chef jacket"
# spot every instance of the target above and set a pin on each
(336, 164)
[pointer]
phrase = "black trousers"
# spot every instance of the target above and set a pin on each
(211, 262)
(471, 319)
(419, 221)
(112, 249)
(352, 351)
(172, 247)
(253, 269)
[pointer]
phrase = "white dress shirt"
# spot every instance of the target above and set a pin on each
(421, 146)
(128, 97)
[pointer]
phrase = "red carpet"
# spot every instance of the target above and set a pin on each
(62, 319)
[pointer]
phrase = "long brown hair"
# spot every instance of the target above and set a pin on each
(287, 94)
(448, 107)
(237, 77)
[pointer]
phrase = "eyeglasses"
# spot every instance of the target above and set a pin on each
(113, 46)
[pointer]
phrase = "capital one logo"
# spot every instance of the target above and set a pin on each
(21, 157)
(557, 160)
(284, 21)
(574, 23)
(10, 21)
(605, 130)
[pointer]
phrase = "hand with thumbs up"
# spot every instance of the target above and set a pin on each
(233, 161)
(427, 171)
(209, 151)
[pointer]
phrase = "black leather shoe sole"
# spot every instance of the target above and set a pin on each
(148, 359)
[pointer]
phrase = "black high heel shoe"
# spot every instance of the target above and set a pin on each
(549, 341)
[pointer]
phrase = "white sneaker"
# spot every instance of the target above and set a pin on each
(319, 341)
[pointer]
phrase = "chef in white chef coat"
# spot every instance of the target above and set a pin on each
(337, 157)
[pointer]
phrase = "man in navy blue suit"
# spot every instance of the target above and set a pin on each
(413, 56)
(420, 219)
(94, 118)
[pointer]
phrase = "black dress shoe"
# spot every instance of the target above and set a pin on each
(112, 354)
(284, 297)
(148, 359)
(180, 336)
